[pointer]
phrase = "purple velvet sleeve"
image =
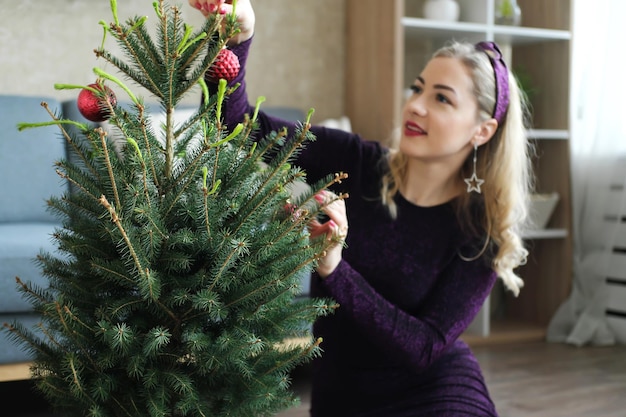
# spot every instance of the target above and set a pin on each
(421, 338)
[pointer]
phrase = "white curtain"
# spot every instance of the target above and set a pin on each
(598, 141)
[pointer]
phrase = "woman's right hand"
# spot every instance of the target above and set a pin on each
(335, 229)
(244, 11)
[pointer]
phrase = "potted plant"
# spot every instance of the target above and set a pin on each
(181, 254)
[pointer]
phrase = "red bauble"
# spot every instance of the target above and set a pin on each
(292, 211)
(226, 65)
(93, 106)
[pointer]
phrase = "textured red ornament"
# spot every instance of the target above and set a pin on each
(226, 65)
(292, 211)
(94, 107)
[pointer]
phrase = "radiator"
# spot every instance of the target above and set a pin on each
(616, 253)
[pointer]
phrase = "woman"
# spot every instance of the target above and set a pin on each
(433, 223)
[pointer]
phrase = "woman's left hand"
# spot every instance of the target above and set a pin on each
(244, 11)
(335, 229)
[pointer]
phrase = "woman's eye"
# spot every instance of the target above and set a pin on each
(443, 99)
(416, 89)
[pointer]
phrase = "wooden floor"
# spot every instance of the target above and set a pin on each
(555, 380)
(541, 380)
(525, 380)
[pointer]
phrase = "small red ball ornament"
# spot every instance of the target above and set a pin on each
(226, 65)
(94, 106)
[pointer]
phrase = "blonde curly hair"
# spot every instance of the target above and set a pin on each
(503, 162)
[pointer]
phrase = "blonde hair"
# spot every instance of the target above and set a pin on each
(503, 162)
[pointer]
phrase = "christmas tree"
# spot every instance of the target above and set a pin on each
(181, 252)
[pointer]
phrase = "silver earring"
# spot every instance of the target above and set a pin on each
(473, 182)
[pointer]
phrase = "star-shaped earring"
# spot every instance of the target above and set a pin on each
(474, 183)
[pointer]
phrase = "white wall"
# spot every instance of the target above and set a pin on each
(297, 57)
(298, 54)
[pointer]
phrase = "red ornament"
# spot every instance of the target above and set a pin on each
(94, 106)
(292, 211)
(226, 65)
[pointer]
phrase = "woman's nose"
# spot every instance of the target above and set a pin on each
(416, 105)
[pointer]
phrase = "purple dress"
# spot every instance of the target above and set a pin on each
(405, 294)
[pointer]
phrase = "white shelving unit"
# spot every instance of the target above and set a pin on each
(511, 35)
(388, 44)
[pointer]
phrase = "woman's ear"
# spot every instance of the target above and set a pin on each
(486, 130)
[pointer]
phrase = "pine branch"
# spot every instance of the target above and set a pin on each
(107, 157)
(127, 124)
(153, 292)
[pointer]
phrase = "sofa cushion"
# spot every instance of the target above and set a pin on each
(27, 160)
(20, 243)
(12, 351)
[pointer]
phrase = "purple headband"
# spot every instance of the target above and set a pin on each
(501, 74)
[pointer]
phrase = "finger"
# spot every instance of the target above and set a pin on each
(340, 233)
(318, 229)
(336, 211)
(202, 5)
(207, 7)
(335, 232)
(332, 230)
(226, 9)
(327, 199)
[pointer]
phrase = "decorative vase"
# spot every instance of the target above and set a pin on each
(508, 12)
(446, 10)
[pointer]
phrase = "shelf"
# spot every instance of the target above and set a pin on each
(545, 234)
(513, 35)
(516, 35)
(440, 29)
(550, 134)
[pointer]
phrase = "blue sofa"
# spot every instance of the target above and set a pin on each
(28, 180)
